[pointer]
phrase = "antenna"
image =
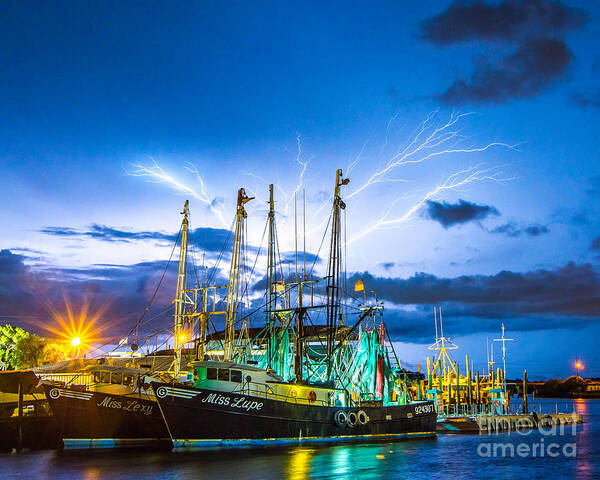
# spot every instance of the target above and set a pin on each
(435, 321)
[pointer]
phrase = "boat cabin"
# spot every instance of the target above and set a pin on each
(249, 380)
(121, 381)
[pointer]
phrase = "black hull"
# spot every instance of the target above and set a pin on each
(199, 418)
(100, 420)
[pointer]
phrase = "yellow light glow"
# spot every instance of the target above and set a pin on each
(77, 325)
(579, 365)
(182, 338)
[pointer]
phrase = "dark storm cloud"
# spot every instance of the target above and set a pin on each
(595, 246)
(450, 214)
(124, 290)
(535, 65)
(205, 238)
(507, 21)
(571, 290)
(511, 229)
(565, 298)
(531, 29)
(591, 99)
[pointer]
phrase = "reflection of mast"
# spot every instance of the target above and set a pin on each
(334, 268)
(233, 288)
(180, 333)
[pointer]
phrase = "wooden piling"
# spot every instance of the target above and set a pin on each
(469, 393)
(525, 400)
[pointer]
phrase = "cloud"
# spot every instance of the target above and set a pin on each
(568, 297)
(537, 55)
(595, 246)
(508, 20)
(591, 99)
(535, 65)
(290, 258)
(448, 214)
(572, 289)
(205, 238)
(511, 229)
(29, 295)
(388, 265)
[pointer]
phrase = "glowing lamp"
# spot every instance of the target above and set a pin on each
(76, 341)
(182, 338)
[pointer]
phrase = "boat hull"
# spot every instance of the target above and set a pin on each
(99, 420)
(199, 418)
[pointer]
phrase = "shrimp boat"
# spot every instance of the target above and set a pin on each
(296, 381)
(112, 404)
(115, 409)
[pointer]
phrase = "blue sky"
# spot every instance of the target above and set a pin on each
(252, 93)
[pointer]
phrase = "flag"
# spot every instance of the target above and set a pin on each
(359, 286)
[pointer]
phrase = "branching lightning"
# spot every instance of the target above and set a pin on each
(443, 140)
(452, 182)
(155, 173)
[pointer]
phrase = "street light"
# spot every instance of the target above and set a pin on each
(578, 366)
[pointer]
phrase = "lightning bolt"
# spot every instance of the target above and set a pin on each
(154, 173)
(443, 140)
(451, 182)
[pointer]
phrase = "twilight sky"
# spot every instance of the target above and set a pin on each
(468, 130)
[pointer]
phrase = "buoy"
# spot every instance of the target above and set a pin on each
(312, 396)
(352, 419)
(340, 418)
(363, 418)
(496, 403)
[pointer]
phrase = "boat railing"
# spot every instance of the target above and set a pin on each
(448, 411)
(84, 379)
(265, 391)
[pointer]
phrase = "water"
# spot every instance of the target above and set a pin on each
(446, 456)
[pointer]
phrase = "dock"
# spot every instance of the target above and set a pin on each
(505, 423)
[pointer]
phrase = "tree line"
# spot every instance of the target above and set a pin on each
(20, 349)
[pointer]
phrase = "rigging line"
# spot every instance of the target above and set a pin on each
(256, 260)
(213, 273)
(157, 286)
(193, 247)
(321, 245)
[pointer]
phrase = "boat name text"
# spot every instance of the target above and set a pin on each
(127, 405)
(236, 402)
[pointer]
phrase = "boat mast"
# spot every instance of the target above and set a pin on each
(333, 269)
(233, 287)
(180, 334)
(271, 278)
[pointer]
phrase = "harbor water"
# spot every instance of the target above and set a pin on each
(547, 454)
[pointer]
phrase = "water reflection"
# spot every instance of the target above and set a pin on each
(299, 462)
(434, 459)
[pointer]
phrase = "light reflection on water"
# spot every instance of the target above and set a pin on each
(444, 457)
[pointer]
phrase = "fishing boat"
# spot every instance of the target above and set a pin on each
(111, 404)
(116, 409)
(338, 387)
